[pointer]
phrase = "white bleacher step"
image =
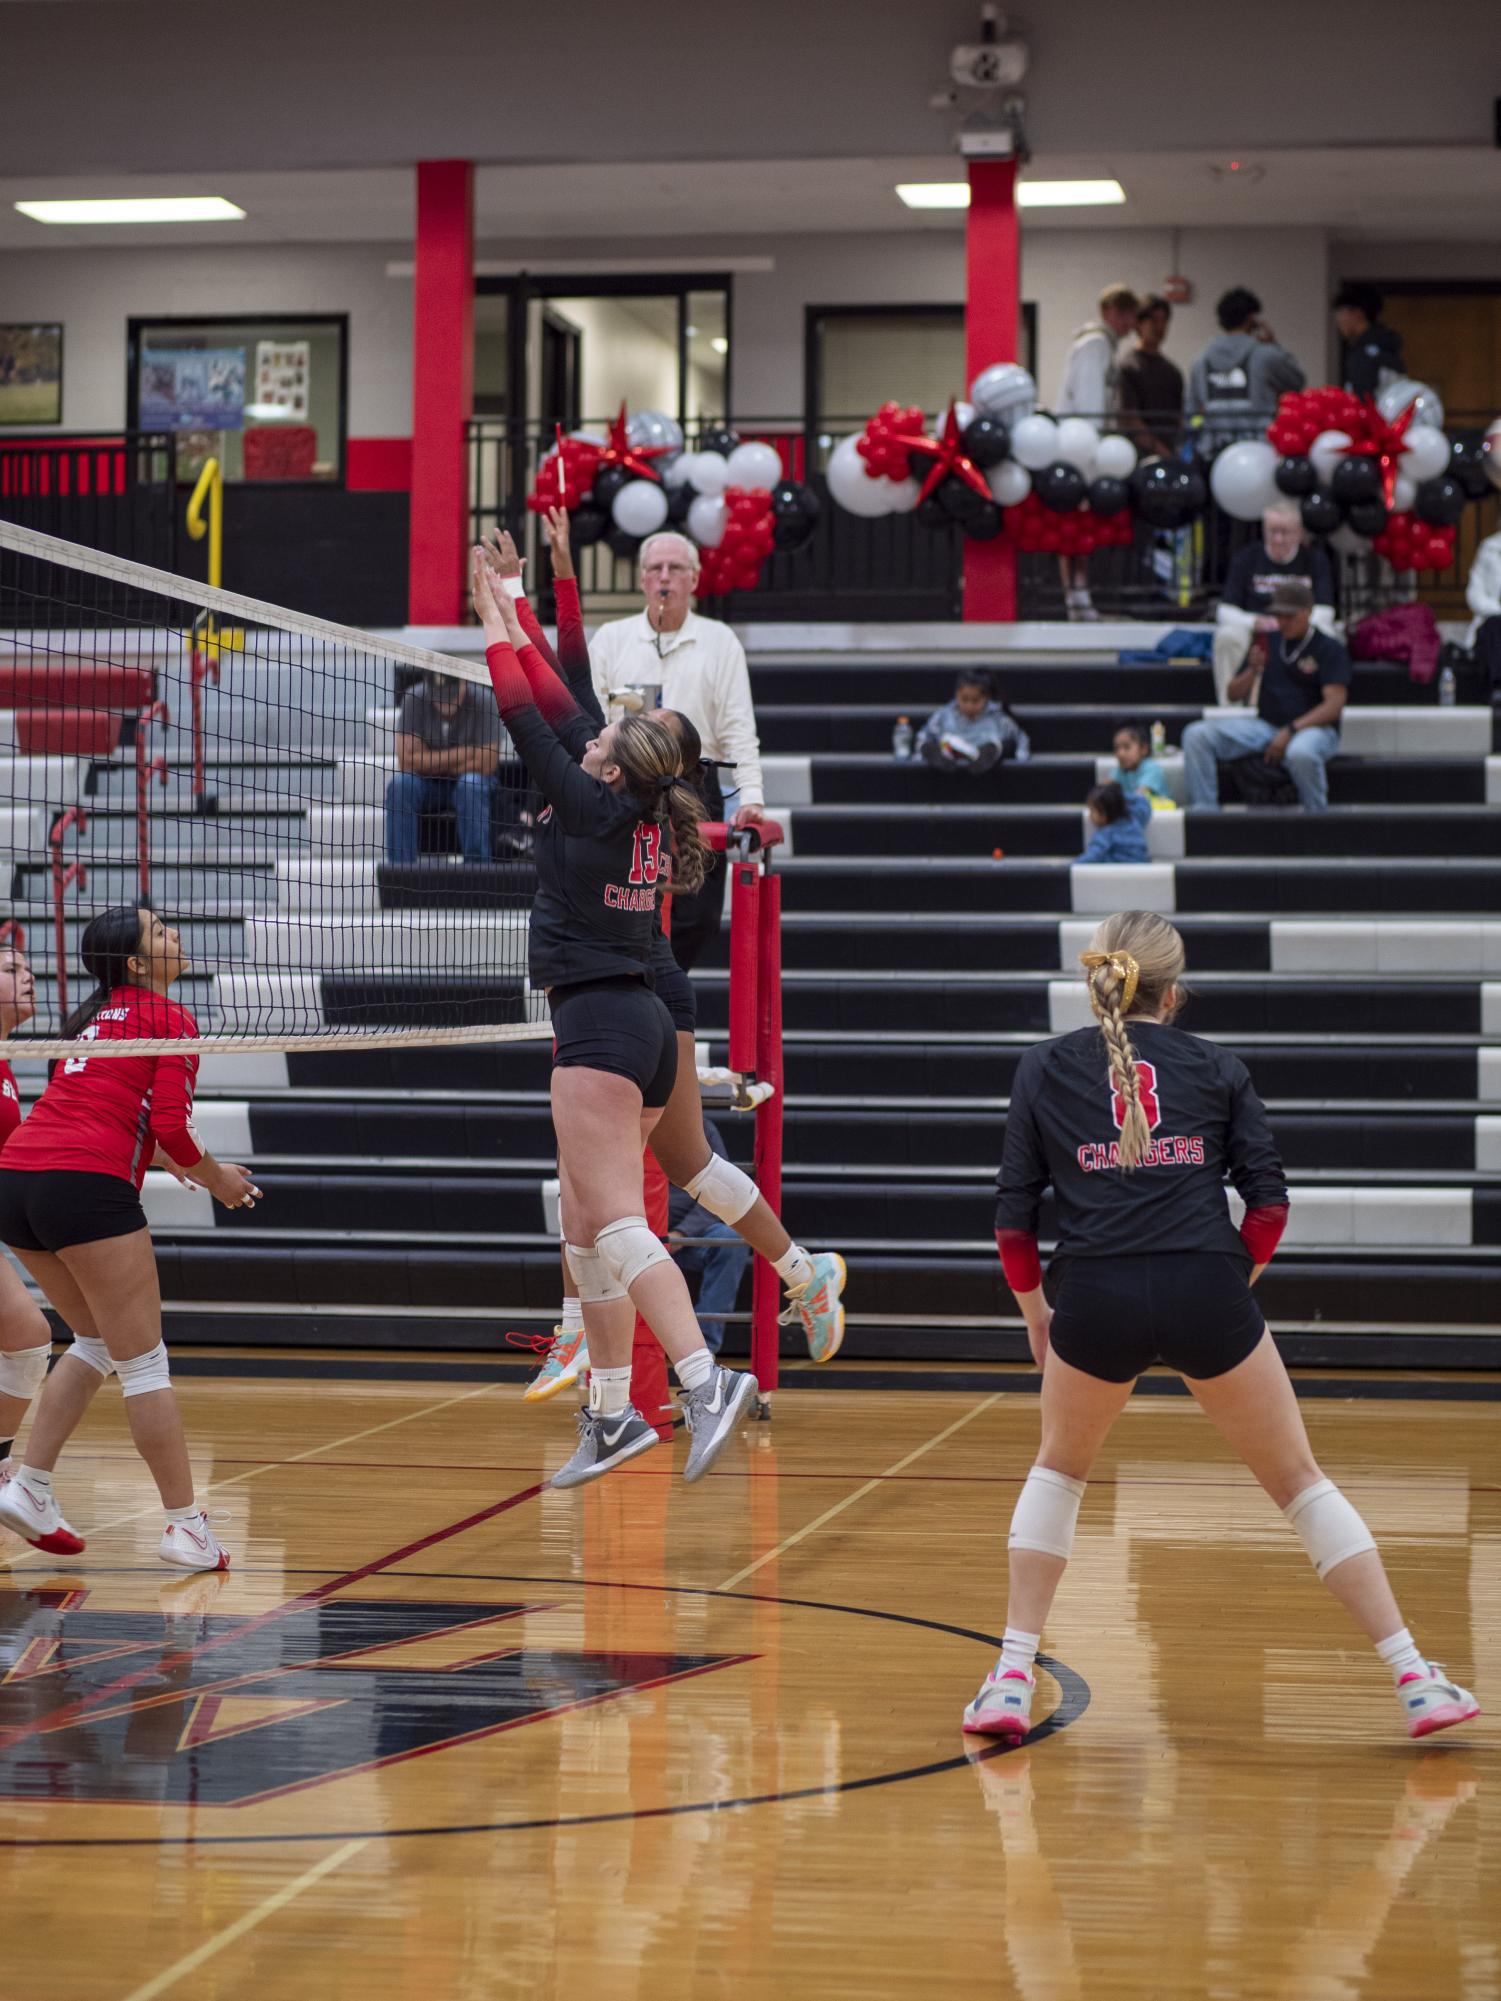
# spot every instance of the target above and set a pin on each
(1445, 947)
(1401, 731)
(1165, 832)
(1103, 887)
(1325, 1217)
(49, 783)
(171, 1206)
(401, 941)
(292, 1003)
(23, 832)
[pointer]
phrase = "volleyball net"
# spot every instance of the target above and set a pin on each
(334, 821)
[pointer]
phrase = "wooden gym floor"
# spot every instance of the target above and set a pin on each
(444, 1733)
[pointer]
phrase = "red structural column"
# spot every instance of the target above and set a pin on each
(992, 313)
(442, 390)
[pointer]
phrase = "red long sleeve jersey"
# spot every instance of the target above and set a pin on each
(10, 1103)
(108, 1116)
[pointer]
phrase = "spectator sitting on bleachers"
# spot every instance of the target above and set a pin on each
(1483, 596)
(1118, 824)
(717, 1252)
(1135, 770)
(974, 731)
(1244, 613)
(447, 751)
(1305, 683)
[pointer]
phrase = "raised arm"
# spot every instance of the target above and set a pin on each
(571, 662)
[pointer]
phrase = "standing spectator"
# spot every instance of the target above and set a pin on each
(1149, 387)
(447, 754)
(1236, 382)
(974, 731)
(1304, 686)
(1483, 596)
(1089, 390)
(716, 1251)
(669, 656)
(1371, 348)
(1243, 617)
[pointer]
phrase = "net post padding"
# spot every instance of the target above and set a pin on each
(745, 969)
(766, 1286)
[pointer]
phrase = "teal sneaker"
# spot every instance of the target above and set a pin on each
(818, 1309)
(565, 1357)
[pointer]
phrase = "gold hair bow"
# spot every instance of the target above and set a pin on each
(1124, 968)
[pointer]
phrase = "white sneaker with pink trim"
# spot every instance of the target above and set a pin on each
(1003, 1708)
(1432, 1702)
(192, 1545)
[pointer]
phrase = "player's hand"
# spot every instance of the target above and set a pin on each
(501, 553)
(750, 816)
(556, 521)
(1276, 750)
(234, 1187)
(1038, 1335)
(492, 607)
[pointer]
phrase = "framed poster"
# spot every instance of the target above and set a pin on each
(282, 368)
(192, 389)
(31, 373)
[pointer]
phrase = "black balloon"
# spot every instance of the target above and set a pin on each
(986, 525)
(985, 440)
(587, 524)
(919, 464)
(607, 483)
(1108, 496)
(1355, 480)
(719, 440)
(1321, 515)
(1440, 501)
(679, 500)
(932, 513)
(1060, 486)
(1167, 494)
(622, 542)
(1367, 517)
(1145, 473)
(791, 535)
(1296, 476)
(960, 501)
(1467, 464)
(792, 500)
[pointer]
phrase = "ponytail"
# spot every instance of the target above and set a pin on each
(1137, 960)
(690, 851)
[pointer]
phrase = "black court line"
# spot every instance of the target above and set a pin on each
(334, 1368)
(1074, 1693)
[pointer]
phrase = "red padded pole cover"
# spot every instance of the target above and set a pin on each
(745, 963)
(766, 1295)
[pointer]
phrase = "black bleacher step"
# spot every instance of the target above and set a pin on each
(977, 942)
(1130, 689)
(802, 729)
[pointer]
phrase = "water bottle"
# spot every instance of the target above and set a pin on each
(1159, 739)
(902, 735)
(1446, 689)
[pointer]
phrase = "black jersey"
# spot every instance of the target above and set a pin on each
(1207, 1126)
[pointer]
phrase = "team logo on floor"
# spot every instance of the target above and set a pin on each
(127, 1708)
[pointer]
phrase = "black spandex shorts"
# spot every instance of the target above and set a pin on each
(57, 1208)
(1192, 1310)
(675, 992)
(619, 1026)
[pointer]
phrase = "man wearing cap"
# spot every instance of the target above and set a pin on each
(1305, 683)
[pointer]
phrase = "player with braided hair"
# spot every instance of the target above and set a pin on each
(1150, 1268)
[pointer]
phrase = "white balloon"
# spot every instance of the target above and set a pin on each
(707, 518)
(1009, 482)
(1078, 441)
(1427, 453)
(651, 427)
(850, 485)
(710, 474)
(1326, 451)
(1399, 395)
(640, 507)
(1491, 447)
(678, 470)
(902, 494)
(1241, 479)
(1115, 459)
(1404, 493)
(1034, 442)
(963, 412)
(1004, 390)
(754, 466)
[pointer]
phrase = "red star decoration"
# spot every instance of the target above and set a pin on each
(634, 459)
(949, 459)
(1382, 441)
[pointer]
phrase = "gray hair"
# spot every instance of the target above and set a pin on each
(684, 542)
(1283, 510)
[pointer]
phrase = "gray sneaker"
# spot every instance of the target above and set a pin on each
(712, 1413)
(605, 1443)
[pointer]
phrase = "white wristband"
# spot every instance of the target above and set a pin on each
(513, 587)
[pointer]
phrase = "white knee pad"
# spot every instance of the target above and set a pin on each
(23, 1371)
(1328, 1527)
(93, 1354)
(628, 1248)
(725, 1190)
(1046, 1510)
(591, 1276)
(142, 1374)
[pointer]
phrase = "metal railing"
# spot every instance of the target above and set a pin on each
(115, 491)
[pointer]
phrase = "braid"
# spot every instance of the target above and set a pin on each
(1106, 991)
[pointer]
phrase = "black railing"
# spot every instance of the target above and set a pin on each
(896, 567)
(110, 491)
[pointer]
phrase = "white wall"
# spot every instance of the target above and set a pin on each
(622, 355)
(1394, 261)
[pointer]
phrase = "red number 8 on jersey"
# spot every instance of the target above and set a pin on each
(1147, 1077)
(646, 852)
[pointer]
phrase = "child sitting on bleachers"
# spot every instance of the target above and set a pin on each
(1118, 835)
(1136, 771)
(974, 731)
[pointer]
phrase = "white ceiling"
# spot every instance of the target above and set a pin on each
(1424, 192)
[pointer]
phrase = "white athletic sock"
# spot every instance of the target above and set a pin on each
(796, 1268)
(30, 1476)
(1401, 1655)
(609, 1391)
(573, 1316)
(1019, 1650)
(188, 1514)
(695, 1370)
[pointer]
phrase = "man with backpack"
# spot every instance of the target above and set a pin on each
(1234, 385)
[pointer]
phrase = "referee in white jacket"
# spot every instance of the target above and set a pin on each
(680, 660)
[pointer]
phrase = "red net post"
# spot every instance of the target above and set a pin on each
(745, 962)
(766, 1292)
(63, 880)
(204, 668)
(147, 768)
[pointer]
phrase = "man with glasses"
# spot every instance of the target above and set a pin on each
(669, 656)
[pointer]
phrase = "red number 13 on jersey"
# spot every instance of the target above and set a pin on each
(1147, 1075)
(646, 853)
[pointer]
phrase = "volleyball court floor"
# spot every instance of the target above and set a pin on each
(443, 1731)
